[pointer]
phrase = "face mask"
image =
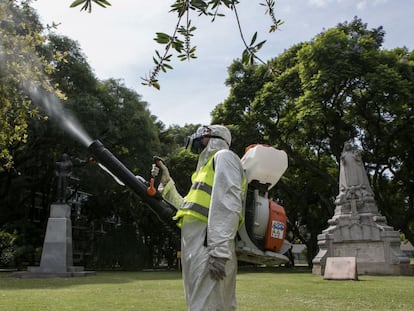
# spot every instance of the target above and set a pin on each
(194, 142)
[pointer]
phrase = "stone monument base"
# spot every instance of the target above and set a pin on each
(56, 260)
(368, 268)
(386, 268)
(36, 272)
(376, 247)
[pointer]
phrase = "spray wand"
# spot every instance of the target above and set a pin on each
(164, 210)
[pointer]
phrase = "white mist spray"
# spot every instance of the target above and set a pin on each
(25, 57)
(54, 108)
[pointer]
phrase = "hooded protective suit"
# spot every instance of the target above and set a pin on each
(202, 242)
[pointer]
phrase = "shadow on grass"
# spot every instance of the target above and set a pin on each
(9, 282)
(282, 269)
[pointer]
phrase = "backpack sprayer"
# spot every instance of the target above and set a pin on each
(261, 238)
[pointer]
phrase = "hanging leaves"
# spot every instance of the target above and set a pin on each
(87, 4)
(180, 40)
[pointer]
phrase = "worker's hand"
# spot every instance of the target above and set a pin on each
(165, 176)
(217, 267)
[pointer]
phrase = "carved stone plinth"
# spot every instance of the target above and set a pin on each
(375, 246)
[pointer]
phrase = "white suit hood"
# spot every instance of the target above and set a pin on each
(215, 144)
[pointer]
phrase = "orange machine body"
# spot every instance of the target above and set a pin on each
(276, 228)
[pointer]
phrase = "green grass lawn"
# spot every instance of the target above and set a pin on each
(260, 289)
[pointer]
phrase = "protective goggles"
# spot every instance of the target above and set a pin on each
(194, 143)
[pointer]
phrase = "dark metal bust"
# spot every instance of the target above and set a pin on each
(63, 173)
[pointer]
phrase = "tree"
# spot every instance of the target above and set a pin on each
(19, 64)
(339, 86)
(245, 81)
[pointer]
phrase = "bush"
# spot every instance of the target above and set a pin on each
(20, 245)
(7, 248)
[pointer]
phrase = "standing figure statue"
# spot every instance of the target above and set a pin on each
(352, 173)
(63, 173)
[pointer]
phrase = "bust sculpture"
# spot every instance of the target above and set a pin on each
(63, 173)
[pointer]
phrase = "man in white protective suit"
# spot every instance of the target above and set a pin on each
(209, 217)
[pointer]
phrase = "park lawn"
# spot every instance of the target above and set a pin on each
(260, 289)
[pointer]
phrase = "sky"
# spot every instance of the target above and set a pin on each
(118, 43)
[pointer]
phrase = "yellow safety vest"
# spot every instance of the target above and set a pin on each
(197, 201)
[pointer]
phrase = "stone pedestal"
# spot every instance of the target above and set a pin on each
(357, 229)
(57, 257)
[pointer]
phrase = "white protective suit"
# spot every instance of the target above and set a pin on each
(201, 291)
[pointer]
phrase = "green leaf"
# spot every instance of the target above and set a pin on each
(245, 57)
(77, 2)
(105, 2)
(259, 45)
(162, 38)
(253, 38)
(155, 84)
(102, 3)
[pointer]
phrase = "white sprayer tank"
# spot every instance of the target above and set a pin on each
(265, 164)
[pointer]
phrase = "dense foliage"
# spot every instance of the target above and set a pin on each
(19, 30)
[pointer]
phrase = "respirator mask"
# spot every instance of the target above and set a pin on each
(194, 143)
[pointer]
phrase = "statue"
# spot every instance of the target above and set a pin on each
(353, 178)
(63, 173)
(352, 172)
(357, 228)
